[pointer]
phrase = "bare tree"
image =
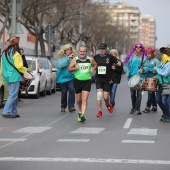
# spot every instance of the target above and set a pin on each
(5, 13)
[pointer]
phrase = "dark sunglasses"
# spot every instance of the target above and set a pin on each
(138, 46)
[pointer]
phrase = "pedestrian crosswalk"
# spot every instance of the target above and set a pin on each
(134, 135)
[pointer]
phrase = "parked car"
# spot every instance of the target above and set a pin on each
(38, 84)
(3, 91)
(53, 62)
(51, 75)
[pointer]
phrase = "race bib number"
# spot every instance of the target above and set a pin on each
(101, 69)
(83, 67)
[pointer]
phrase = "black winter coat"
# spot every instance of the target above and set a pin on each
(117, 73)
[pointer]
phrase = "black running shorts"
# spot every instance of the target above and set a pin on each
(82, 85)
(103, 84)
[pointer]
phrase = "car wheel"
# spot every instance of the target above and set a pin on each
(49, 91)
(43, 93)
(54, 89)
(38, 92)
(1, 97)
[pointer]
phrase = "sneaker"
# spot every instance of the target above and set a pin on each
(137, 112)
(81, 118)
(99, 114)
(17, 116)
(71, 109)
(154, 109)
(162, 118)
(9, 116)
(6, 116)
(62, 109)
(167, 119)
(146, 110)
(109, 107)
(132, 111)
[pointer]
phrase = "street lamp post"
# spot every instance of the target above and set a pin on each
(13, 23)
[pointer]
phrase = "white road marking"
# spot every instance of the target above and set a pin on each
(88, 130)
(27, 135)
(73, 140)
(138, 141)
(32, 130)
(143, 131)
(87, 160)
(12, 139)
(127, 124)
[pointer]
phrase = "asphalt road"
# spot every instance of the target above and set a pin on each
(44, 138)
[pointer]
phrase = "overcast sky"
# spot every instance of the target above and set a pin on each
(160, 9)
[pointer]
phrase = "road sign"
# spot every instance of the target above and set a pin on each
(49, 32)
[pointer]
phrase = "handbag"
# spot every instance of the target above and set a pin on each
(166, 89)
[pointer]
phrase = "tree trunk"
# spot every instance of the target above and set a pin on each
(42, 46)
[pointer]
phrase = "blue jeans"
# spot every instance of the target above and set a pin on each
(163, 102)
(11, 104)
(136, 97)
(65, 88)
(113, 88)
(151, 100)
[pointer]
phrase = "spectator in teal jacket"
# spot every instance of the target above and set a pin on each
(136, 63)
(153, 62)
(12, 68)
(65, 78)
(163, 76)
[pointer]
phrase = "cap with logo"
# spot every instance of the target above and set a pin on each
(103, 46)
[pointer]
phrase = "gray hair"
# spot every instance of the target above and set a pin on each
(114, 50)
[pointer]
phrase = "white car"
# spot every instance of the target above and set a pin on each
(51, 75)
(3, 90)
(54, 64)
(38, 84)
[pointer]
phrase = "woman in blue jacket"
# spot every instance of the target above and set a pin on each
(65, 78)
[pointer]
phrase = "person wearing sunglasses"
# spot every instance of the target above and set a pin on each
(136, 63)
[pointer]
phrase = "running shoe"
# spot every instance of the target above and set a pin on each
(81, 118)
(99, 114)
(109, 107)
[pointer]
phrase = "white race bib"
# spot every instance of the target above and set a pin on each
(101, 69)
(83, 67)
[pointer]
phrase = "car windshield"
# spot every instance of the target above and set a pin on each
(31, 64)
(44, 64)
